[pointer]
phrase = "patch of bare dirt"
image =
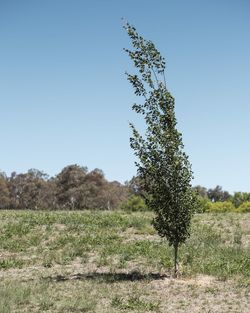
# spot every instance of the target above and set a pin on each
(59, 226)
(200, 280)
(131, 234)
(7, 254)
(199, 294)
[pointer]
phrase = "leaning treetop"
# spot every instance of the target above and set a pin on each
(163, 165)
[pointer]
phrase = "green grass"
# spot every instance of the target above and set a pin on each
(134, 303)
(214, 248)
(86, 261)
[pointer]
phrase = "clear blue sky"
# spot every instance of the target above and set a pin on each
(64, 97)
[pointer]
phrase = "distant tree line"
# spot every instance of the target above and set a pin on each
(217, 194)
(74, 188)
(210, 200)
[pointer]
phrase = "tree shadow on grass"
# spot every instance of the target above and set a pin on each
(110, 277)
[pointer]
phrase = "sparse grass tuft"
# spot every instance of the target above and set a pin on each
(134, 304)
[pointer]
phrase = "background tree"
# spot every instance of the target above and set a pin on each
(162, 164)
(218, 194)
(69, 184)
(4, 192)
(114, 193)
(201, 191)
(79, 189)
(95, 186)
(101, 194)
(29, 190)
(240, 197)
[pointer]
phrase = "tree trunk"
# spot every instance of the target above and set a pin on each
(176, 260)
(108, 205)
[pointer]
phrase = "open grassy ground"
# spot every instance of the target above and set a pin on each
(115, 262)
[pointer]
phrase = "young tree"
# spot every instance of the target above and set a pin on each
(163, 165)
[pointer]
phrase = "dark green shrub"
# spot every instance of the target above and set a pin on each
(203, 205)
(244, 207)
(134, 204)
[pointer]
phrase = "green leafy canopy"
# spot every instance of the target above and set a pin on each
(163, 165)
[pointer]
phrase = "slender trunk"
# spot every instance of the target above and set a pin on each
(108, 205)
(176, 259)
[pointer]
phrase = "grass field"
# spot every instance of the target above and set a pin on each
(115, 262)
